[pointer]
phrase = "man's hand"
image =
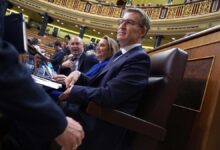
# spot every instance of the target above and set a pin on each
(65, 95)
(72, 136)
(72, 78)
(69, 81)
(60, 78)
(68, 64)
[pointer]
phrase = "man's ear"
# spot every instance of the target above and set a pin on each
(144, 32)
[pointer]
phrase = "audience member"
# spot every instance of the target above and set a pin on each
(65, 45)
(104, 51)
(43, 67)
(91, 46)
(35, 43)
(58, 56)
(119, 85)
(77, 60)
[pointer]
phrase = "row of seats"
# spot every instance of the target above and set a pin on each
(46, 41)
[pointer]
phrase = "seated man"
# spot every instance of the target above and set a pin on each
(119, 85)
(77, 60)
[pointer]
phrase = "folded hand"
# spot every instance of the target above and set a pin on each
(72, 78)
(72, 135)
(65, 95)
(60, 78)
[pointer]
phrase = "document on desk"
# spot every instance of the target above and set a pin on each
(47, 83)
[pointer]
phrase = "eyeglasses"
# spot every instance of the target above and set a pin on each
(128, 22)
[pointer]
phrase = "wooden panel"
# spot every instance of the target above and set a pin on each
(179, 129)
(195, 78)
(194, 122)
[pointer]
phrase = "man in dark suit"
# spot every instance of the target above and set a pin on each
(77, 60)
(34, 118)
(119, 85)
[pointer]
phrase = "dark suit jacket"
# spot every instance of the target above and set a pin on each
(120, 85)
(85, 63)
(35, 118)
(57, 59)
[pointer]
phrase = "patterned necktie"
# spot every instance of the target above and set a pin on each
(75, 63)
(74, 58)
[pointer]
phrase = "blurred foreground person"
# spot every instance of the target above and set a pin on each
(34, 118)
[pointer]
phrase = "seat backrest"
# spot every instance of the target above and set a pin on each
(167, 69)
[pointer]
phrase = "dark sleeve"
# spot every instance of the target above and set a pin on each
(129, 82)
(83, 80)
(88, 62)
(65, 71)
(57, 58)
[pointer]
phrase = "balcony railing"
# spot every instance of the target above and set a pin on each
(161, 12)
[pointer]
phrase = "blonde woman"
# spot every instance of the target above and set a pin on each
(104, 51)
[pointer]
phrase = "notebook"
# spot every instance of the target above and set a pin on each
(46, 82)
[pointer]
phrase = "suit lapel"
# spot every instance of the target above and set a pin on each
(119, 61)
(81, 58)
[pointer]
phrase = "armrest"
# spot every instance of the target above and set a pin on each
(127, 121)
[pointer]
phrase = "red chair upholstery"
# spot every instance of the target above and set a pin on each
(150, 121)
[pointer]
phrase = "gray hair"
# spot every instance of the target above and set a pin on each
(145, 20)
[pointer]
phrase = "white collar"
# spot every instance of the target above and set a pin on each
(127, 48)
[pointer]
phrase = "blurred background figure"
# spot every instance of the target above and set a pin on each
(65, 45)
(58, 55)
(36, 44)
